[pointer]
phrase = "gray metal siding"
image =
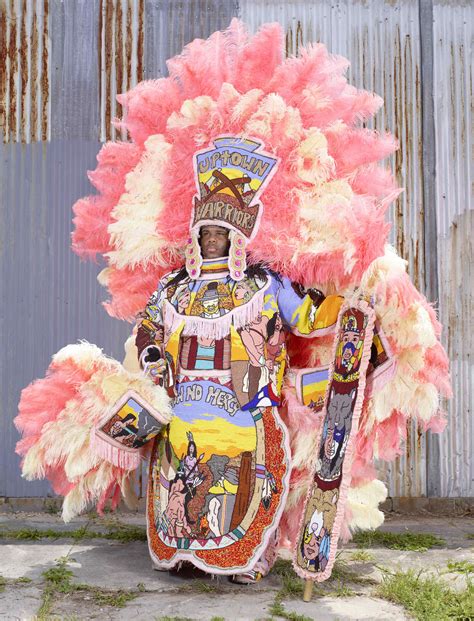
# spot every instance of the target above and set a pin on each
(453, 30)
(388, 44)
(64, 63)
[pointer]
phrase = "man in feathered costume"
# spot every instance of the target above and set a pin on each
(257, 166)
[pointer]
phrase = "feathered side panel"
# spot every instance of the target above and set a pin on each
(57, 414)
(409, 322)
(415, 390)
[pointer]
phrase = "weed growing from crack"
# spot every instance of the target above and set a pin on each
(342, 591)
(22, 580)
(414, 542)
(203, 587)
(118, 599)
(292, 585)
(5, 581)
(32, 534)
(124, 534)
(461, 567)
(427, 598)
(58, 580)
(362, 555)
(278, 610)
(342, 573)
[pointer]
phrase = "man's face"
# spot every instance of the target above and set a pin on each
(214, 242)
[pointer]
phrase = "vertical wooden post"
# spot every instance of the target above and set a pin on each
(308, 590)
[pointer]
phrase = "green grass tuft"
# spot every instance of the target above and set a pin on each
(278, 610)
(428, 598)
(342, 591)
(22, 580)
(125, 534)
(415, 542)
(32, 534)
(121, 533)
(58, 579)
(461, 567)
(117, 599)
(362, 555)
(292, 585)
(202, 587)
(4, 581)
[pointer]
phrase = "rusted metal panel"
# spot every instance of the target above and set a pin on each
(453, 32)
(171, 24)
(137, 37)
(49, 297)
(25, 69)
(74, 70)
(381, 40)
(120, 57)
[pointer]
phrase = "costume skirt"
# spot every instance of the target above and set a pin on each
(218, 480)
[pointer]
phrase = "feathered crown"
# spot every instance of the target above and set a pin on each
(323, 219)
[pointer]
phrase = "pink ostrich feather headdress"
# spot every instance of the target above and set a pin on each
(329, 191)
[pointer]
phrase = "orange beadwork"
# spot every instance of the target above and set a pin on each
(239, 553)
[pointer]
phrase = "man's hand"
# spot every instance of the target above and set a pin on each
(153, 354)
(155, 370)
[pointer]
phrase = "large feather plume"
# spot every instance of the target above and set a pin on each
(56, 415)
(330, 191)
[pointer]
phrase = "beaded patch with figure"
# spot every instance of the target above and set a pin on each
(129, 425)
(316, 544)
(311, 384)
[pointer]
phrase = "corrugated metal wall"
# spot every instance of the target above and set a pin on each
(453, 119)
(63, 62)
(382, 41)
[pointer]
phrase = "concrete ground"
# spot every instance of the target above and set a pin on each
(112, 569)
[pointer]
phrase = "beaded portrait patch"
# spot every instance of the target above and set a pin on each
(324, 508)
